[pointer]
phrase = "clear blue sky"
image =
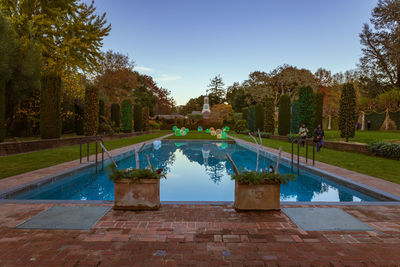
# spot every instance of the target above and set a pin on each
(184, 43)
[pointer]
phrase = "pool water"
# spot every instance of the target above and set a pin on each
(196, 171)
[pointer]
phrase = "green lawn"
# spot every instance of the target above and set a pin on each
(21, 163)
(195, 135)
(386, 169)
(365, 136)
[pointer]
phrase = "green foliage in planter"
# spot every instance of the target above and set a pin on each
(293, 138)
(134, 174)
(318, 109)
(306, 108)
(260, 113)
(269, 123)
(237, 116)
(138, 118)
(91, 117)
(255, 178)
(126, 107)
(284, 115)
(347, 111)
(146, 114)
(50, 106)
(245, 113)
(386, 150)
(295, 118)
(240, 126)
(79, 114)
(251, 118)
(115, 116)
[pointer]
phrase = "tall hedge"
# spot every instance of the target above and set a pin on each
(50, 106)
(126, 107)
(115, 115)
(251, 118)
(318, 108)
(146, 114)
(269, 124)
(347, 111)
(306, 107)
(2, 110)
(295, 117)
(102, 111)
(284, 115)
(138, 118)
(79, 114)
(260, 113)
(245, 113)
(91, 118)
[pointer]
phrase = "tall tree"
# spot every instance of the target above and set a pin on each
(216, 90)
(347, 111)
(269, 125)
(235, 96)
(284, 115)
(306, 107)
(318, 108)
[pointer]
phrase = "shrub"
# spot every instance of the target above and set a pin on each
(259, 121)
(245, 132)
(146, 113)
(79, 114)
(295, 118)
(102, 115)
(251, 118)
(347, 111)
(383, 149)
(91, 117)
(126, 107)
(50, 106)
(115, 116)
(2, 110)
(245, 113)
(135, 174)
(318, 108)
(195, 117)
(293, 138)
(265, 135)
(269, 124)
(154, 125)
(138, 118)
(254, 177)
(306, 108)
(240, 126)
(284, 115)
(237, 116)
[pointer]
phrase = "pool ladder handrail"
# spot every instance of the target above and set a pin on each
(298, 154)
(95, 140)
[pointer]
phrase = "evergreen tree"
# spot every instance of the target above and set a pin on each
(91, 118)
(269, 125)
(284, 115)
(306, 107)
(295, 118)
(115, 115)
(216, 91)
(319, 105)
(145, 113)
(138, 118)
(79, 115)
(260, 113)
(50, 106)
(251, 118)
(126, 107)
(347, 111)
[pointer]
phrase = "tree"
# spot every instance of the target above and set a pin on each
(126, 108)
(260, 117)
(221, 113)
(138, 118)
(145, 113)
(295, 117)
(216, 91)
(50, 106)
(381, 47)
(102, 112)
(284, 115)
(91, 117)
(347, 111)
(194, 104)
(318, 108)
(251, 118)
(269, 125)
(115, 115)
(306, 107)
(79, 117)
(235, 96)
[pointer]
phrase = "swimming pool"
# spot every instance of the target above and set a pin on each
(196, 171)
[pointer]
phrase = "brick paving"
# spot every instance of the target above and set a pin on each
(199, 235)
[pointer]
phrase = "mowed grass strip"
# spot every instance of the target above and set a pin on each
(365, 136)
(387, 169)
(21, 163)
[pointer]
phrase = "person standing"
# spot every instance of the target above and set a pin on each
(319, 137)
(303, 132)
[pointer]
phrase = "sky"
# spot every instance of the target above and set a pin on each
(182, 44)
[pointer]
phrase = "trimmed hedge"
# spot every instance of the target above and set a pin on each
(245, 112)
(237, 116)
(79, 114)
(293, 138)
(260, 113)
(395, 116)
(2, 110)
(347, 111)
(91, 118)
(251, 118)
(386, 150)
(295, 118)
(146, 114)
(50, 106)
(126, 107)
(269, 123)
(102, 111)
(138, 118)
(240, 126)
(284, 115)
(306, 108)
(115, 116)
(376, 120)
(318, 109)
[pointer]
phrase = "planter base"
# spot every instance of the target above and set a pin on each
(257, 197)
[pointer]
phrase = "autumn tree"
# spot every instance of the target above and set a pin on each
(216, 91)
(221, 113)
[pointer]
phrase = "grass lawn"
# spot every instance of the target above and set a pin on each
(386, 169)
(365, 136)
(195, 135)
(21, 163)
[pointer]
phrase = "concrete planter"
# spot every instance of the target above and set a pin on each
(257, 197)
(132, 194)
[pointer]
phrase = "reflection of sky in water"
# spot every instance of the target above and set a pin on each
(196, 171)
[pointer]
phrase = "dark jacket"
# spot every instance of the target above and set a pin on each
(318, 134)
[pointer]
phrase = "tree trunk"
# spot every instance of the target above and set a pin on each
(329, 122)
(363, 121)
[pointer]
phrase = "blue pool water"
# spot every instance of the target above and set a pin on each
(196, 171)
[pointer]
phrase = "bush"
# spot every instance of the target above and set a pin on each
(245, 113)
(115, 117)
(154, 125)
(79, 114)
(126, 107)
(306, 108)
(259, 121)
(102, 115)
(146, 113)
(265, 135)
(237, 116)
(195, 117)
(293, 138)
(138, 118)
(347, 111)
(284, 115)
(50, 106)
(240, 126)
(318, 109)
(386, 150)
(269, 124)
(91, 117)
(251, 118)
(295, 118)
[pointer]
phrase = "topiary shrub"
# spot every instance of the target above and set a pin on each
(395, 116)
(293, 138)
(251, 118)
(284, 115)
(91, 118)
(79, 115)
(240, 126)
(386, 150)
(376, 120)
(50, 106)
(347, 111)
(115, 117)
(295, 118)
(146, 114)
(306, 108)
(245, 112)
(318, 108)
(138, 118)
(269, 118)
(126, 107)
(260, 113)
(237, 116)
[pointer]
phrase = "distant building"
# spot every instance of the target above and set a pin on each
(206, 108)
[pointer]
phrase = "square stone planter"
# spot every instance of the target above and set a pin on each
(257, 197)
(132, 194)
